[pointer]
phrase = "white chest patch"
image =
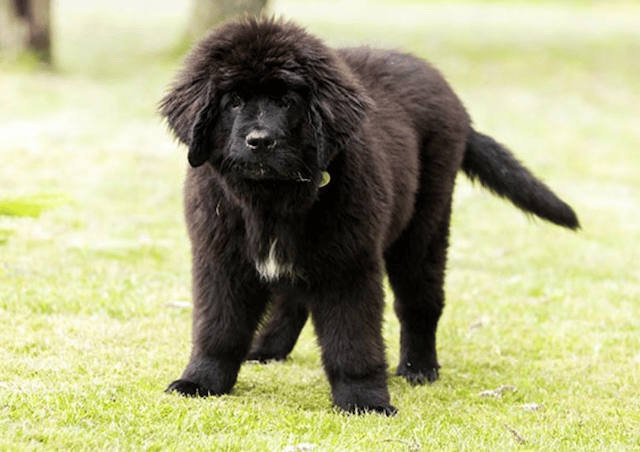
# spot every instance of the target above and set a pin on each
(272, 268)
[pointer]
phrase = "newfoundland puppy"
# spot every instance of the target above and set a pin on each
(312, 173)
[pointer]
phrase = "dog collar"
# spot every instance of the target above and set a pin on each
(325, 179)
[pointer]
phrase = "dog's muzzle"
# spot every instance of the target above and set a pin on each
(260, 141)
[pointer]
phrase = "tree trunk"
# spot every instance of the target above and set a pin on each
(207, 13)
(13, 29)
(25, 25)
(40, 29)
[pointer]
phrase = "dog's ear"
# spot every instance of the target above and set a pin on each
(201, 143)
(181, 104)
(191, 109)
(337, 109)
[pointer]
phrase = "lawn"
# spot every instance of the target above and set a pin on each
(540, 340)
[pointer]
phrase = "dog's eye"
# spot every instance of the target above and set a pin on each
(288, 101)
(285, 102)
(236, 101)
(232, 100)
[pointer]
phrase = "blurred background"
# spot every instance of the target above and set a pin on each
(80, 82)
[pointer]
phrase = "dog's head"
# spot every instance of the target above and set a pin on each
(264, 100)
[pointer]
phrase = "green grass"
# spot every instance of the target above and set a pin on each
(93, 289)
(30, 205)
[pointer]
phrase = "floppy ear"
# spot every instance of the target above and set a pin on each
(201, 143)
(337, 109)
(182, 103)
(191, 109)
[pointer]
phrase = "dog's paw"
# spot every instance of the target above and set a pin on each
(363, 395)
(206, 377)
(418, 376)
(188, 389)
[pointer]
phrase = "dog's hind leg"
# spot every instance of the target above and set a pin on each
(416, 267)
(279, 334)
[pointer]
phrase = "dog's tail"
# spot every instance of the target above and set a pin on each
(498, 170)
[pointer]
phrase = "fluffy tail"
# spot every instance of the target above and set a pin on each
(498, 170)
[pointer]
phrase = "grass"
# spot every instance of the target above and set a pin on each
(31, 205)
(94, 290)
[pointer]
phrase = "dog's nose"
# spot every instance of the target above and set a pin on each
(260, 140)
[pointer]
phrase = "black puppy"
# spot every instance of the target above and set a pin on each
(312, 172)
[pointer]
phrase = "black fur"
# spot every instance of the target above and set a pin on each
(268, 112)
(499, 171)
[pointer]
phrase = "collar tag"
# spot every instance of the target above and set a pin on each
(325, 179)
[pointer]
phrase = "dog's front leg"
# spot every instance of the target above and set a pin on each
(227, 309)
(348, 322)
